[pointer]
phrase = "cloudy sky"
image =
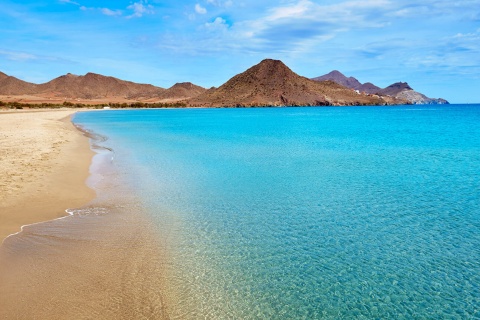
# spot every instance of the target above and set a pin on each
(434, 45)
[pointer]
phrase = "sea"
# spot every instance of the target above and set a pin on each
(305, 212)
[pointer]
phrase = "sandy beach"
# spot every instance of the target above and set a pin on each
(44, 164)
(102, 263)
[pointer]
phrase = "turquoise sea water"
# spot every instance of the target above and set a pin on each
(308, 213)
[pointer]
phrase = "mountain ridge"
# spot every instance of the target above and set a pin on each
(268, 83)
(272, 83)
(399, 90)
(349, 82)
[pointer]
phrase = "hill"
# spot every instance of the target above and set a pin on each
(12, 86)
(269, 83)
(402, 90)
(398, 90)
(96, 86)
(180, 91)
(394, 89)
(350, 82)
(272, 83)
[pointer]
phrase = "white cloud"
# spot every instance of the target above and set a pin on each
(109, 12)
(18, 56)
(218, 23)
(140, 8)
(304, 23)
(300, 26)
(300, 10)
(105, 11)
(218, 3)
(199, 9)
(70, 2)
(25, 56)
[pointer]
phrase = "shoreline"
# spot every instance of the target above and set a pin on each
(45, 165)
(102, 259)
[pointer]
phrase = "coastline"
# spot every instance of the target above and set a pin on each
(103, 260)
(45, 164)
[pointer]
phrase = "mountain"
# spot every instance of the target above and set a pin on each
(402, 90)
(269, 83)
(398, 90)
(183, 90)
(394, 89)
(96, 86)
(12, 86)
(350, 82)
(369, 87)
(272, 83)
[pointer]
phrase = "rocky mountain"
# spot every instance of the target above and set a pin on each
(394, 89)
(12, 86)
(269, 83)
(369, 87)
(402, 90)
(180, 91)
(90, 86)
(340, 78)
(398, 90)
(418, 98)
(349, 82)
(96, 86)
(272, 83)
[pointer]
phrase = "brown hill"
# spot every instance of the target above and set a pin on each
(401, 90)
(340, 78)
(12, 86)
(369, 87)
(183, 90)
(349, 82)
(272, 83)
(96, 86)
(394, 89)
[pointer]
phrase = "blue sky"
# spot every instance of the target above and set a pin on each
(433, 45)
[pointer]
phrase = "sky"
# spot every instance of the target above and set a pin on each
(434, 45)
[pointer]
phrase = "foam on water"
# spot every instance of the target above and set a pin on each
(308, 212)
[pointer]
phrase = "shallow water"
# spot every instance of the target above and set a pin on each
(307, 212)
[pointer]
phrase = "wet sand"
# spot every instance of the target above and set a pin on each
(103, 262)
(104, 266)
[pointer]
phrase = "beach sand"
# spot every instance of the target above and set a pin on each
(105, 262)
(44, 164)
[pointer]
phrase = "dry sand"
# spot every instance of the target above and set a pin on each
(44, 163)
